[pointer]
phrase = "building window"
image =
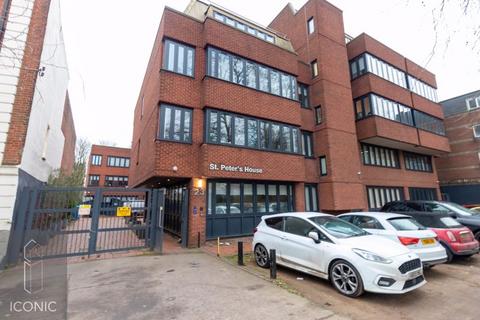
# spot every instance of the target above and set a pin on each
(318, 115)
(138, 152)
(428, 194)
(234, 129)
(314, 68)
(96, 160)
(373, 104)
(311, 198)
(93, 180)
(241, 26)
(476, 131)
(473, 103)
(248, 198)
(307, 144)
(121, 162)
(175, 123)
(379, 156)
(417, 162)
(422, 89)
(323, 165)
(311, 25)
(116, 181)
(379, 196)
(303, 95)
(428, 123)
(368, 63)
(179, 58)
(232, 68)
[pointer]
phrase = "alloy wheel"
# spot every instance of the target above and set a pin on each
(261, 256)
(345, 279)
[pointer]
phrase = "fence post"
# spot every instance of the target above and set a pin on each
(273, 264)
(240, 253)
(97, 202)
(18, 229)
(153, 218)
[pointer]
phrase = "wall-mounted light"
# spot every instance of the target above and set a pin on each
(199, 186)
(175, 168)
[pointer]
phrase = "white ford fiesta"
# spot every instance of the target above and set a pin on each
(325, 246)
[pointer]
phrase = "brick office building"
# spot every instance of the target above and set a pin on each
(459, 171)
(108, 167)
(262, 119)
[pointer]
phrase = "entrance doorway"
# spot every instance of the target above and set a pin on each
(176, 212)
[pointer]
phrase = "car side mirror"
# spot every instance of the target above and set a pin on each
(314, 236)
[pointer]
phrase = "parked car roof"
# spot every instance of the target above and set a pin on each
(298, 214)
(377, 214)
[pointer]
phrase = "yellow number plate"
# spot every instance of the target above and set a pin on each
(428, 241)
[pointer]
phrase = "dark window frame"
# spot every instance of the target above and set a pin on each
(307, 152)
(318, 115)
(311, 28)
(428, 194)
(383, 189)
(311, 206)
(96, 180)
(303, 98)
(114, 158)
(415, 162)
(258, 121)
(323, 160)
(372, 159)
(95, 157)
(212, 71)
(109, 181)
(314, 68)
(171, 131)
(166, 57)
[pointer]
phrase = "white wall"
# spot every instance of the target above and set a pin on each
(48, 104)
(11, 54)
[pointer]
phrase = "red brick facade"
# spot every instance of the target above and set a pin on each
(68, 130)
(26, 84)
(157, 162)
(105, 167)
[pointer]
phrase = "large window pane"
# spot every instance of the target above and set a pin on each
(235, 198)
(248, 198)
(177, 125)
(264, 136)
(213, 127)
(272, 199)
(252, 133)
(167, 123)
(238, 71)
(261, 198)
(276, 137)
(282, 198)
(239, 131)
(225, 128)
(275, 82)
(178, 58)
(286, 86)
(220, 198)
(224, 66)
(286, 139)
(251, 75)
(263, 78)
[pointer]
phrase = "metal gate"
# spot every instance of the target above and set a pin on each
(176, 212)
(84, 221)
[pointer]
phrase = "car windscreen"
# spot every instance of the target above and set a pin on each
(405, 224)
(460, 210)
(338, 228)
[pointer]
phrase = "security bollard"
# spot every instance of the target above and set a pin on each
(273, 264)
(240, 253)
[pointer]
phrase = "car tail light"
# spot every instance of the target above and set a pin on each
(255, 230)
(406, 241)
(451, 236)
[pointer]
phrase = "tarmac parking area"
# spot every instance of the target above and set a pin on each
(452, 292)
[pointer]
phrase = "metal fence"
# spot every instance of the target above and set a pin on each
(84, 221)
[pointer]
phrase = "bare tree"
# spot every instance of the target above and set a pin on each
(77, 176)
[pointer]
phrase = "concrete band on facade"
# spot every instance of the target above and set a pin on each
(231, 184)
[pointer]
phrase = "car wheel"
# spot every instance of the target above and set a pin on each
(261, 256)
(450, 254)
(477, 236)
(346, 279)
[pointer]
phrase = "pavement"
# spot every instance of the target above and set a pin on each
(190, 285)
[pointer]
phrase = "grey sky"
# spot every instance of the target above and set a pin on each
(108, 45)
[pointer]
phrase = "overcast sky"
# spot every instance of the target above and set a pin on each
(108, 45)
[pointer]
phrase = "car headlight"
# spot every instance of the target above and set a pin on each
(367, 255)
